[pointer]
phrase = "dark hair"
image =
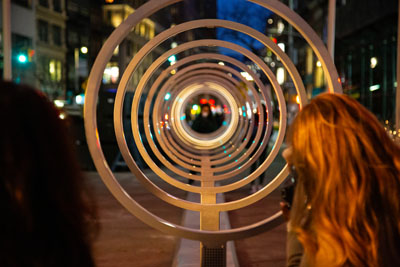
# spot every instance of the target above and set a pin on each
(45, 213)
(205, 106)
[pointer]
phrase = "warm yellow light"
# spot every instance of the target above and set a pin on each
(298, 99)
(109, 1)
(52, 67)
(319, 64)
(142, 30)
(116, 19)
(59, 103)
(374, 62)
(173, 72)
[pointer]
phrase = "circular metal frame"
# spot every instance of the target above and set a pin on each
(130, 204)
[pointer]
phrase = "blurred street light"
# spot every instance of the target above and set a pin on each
(22, 58)
(84, 50)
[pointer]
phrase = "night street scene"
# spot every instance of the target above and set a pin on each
(205, 133)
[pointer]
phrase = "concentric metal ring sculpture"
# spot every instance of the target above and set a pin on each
(207, 158)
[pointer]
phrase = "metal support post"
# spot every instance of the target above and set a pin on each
(331, 27)
(211, 255)
(290, 35)
(398, 73)
(76, 61)
(7, 71)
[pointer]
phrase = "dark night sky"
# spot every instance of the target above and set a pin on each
(246, 13)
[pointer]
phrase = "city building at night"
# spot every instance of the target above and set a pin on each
(51, 48)
(199, 124)
(23, 16)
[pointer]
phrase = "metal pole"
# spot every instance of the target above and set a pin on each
(331, 27)
(76, 59)
(398, 72)
(384, 81)
(7, 71)
(290, 35)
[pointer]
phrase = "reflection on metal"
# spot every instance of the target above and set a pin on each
(208, 158)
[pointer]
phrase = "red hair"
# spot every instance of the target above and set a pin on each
(347, 209)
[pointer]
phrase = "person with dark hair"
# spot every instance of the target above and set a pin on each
(47, 216)
(205, 122)
(346, 205)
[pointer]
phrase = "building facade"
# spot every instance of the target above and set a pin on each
(51, 47)
(23, 41)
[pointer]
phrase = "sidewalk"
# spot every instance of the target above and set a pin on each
(126, 241)
(266, 249)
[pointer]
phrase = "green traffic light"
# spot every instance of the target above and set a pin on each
(22, 58)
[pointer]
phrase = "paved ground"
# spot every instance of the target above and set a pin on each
(125, 241)
(266, 249)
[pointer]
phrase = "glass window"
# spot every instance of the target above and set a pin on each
(151, 33)
(55, 70)
(73, 38)
(116, 18)
(43, 31)
(57, 35)
(143, 30)
(25, 3)
(57, 5)
(44, 3)
(129, 48)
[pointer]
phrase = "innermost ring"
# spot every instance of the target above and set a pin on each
(196, 139)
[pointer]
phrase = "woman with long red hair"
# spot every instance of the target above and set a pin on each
(346, 207)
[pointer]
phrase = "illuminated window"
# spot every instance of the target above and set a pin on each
(116, 51)
(58, 70)
(151, 34)
(55, 70)
(116, 18)
(142, 30)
